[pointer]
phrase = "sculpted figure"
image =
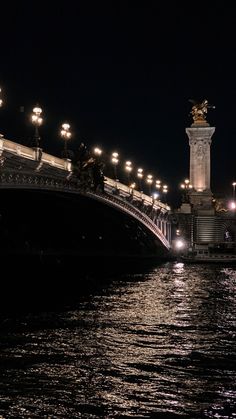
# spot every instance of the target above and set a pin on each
(199, 110)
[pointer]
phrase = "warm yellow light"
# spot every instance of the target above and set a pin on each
(97, 151)
(149, 179)
(1, 101)
(179, 244)
(35, 117)
(65, 133)
(186, 181)
(37, 110)
(128, 166)
(66, 127)
(114, 158)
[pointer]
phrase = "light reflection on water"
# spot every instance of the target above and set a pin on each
(146, 345)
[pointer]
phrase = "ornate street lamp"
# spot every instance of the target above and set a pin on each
(149, 181)
(186, 186)
(97, 151)
(158, 184)
(140, 177)
(37, 120)
(115, 161)
(128, 169)
(65, 135)
(165, 190)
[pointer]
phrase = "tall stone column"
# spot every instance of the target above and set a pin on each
(200, 162)
(200, 157)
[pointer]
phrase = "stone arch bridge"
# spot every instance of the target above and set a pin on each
(26, 168)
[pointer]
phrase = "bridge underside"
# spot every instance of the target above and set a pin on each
(62, 225)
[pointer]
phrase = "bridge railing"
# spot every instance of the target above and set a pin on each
(135, 212)
(65, 165)
(124, 190)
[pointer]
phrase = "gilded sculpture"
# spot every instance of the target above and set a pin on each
(199, 110)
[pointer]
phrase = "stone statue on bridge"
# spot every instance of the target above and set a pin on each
(199, 111)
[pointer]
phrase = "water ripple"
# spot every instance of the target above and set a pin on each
(158, 344)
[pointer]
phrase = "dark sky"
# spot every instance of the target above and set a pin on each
(122, 74)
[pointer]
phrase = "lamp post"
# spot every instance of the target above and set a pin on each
(165, 191)
(234, 184)
(115, 161)
(37, 120)
(128, 168)
(97, 151)
(65, 135)
(149, 182)
(186, 186)
(1, 101)
(140, 176)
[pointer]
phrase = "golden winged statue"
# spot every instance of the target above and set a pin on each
(199, 110)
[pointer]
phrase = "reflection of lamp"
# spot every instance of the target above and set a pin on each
(66, 135)
(37, 120)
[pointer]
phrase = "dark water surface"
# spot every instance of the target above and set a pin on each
(154, 344)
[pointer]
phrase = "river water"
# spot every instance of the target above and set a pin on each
(157, 343)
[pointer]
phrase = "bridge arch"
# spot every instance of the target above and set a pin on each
(31, 169)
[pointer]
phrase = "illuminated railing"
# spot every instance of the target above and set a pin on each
(61, 177)
(115, 201)
(124, 190)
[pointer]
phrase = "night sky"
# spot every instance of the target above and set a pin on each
(122, 74)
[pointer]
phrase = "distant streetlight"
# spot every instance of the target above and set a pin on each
(128, 169)
(232, 205)
(140, 177)
(115, 161)
(132, 187)
(65, 135)
(97, 151)
(186, 186)
(234, 184)
(1, 101)
(149, 181)
(37, 120)
(158, 184)
(155, 196)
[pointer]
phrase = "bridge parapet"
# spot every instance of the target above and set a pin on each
(31, 168)
(125, 191)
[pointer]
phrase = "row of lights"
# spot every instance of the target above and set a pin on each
(129, 169)
(37, 121)
(65, 133)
